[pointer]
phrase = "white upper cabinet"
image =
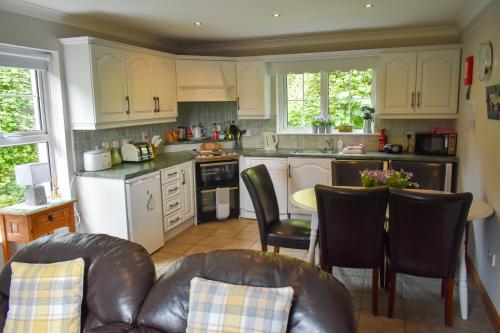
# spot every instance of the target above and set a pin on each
(438, 75)
(141, 92)
(419, 85)
(164, 73)
(110, 84)
(253, 90)
(206, 80)
(116, 85)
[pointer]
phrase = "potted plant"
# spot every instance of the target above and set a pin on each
(329, 125)
(390, 178)
(321, 121)
(368, 114)
(316, 122)
(345, 128)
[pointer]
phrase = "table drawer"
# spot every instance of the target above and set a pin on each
(170, 174)
(172, 205)
(171, 189)
(172, 220)
(52, 217)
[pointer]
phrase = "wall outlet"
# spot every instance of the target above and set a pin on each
(492, 258)
(411, 134)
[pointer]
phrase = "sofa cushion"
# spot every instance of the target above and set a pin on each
(320, 303)
(219, 307)
(45, 297)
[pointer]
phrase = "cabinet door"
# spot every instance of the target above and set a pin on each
(165, 88)
(140, 82)
(305, 173)
(437, 82)
(398, 80)
(187, 182)
(110, 83)
(252, 97)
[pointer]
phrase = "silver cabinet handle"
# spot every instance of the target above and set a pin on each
(156, 105)
(177, 219)
(172, 174)
(173, 205)
(289, 173)
(412, 99)
(183, 178)
(238, 103)
(173, 189)
(158, 101)
(418, 99)
(211, 191)
(128, 105)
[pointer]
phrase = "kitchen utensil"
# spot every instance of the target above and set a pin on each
(97, 159)
(393, 148)
(270, 140)
(198, 131)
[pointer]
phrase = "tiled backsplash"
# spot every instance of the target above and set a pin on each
(216, 112)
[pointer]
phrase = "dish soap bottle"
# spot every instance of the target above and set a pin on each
(340, 145)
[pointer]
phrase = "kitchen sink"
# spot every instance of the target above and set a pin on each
(313, 152)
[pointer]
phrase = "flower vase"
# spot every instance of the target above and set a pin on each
(329, 129)
(321, 128)
(315, 128)
(367, 126)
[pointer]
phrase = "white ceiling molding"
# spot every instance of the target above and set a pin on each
(449, 34)
(470, 11)
(29, 9)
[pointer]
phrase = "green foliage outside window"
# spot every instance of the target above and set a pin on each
(16, 115)
(347, 92)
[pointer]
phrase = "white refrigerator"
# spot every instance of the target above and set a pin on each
(144, 211)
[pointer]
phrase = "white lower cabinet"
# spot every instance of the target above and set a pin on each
(307, 172)
(278, 170)
(178, 194)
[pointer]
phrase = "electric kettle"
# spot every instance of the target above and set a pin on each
(270, 140)
(198, 131)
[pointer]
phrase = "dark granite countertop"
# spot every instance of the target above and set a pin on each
(191, 141)
(131, 170)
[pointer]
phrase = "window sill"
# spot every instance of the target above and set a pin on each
(331, 134)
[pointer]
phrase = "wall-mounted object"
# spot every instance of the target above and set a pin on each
(493, 101)
(469, 64)
(484, 61)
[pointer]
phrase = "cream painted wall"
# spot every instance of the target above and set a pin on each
(478, 150)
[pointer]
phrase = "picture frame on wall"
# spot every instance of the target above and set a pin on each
(493, 101)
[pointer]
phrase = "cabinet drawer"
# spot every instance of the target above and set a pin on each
(172, 220)
(53, 217)
(172, 205)
(170, 174)
(171, 189)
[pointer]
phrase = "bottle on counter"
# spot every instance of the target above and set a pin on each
(340, 145)
(382, 140)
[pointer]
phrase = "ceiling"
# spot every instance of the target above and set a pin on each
(236, 20)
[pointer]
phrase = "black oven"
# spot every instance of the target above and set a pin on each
(209, 176)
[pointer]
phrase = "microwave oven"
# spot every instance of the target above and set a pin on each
(436, 144)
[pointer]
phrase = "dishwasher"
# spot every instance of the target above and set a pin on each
(278, 170)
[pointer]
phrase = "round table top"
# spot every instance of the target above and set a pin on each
(306, 199)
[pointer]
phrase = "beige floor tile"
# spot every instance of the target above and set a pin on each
(368, 323)
(175, 248)
(192, 239)
(353, 283)
(161, 258)
(200, 249)
(213, 242)
(247, 235)
(238, 244)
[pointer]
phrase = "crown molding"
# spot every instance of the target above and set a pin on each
(325, 39)
(471, 10)
(98, 26)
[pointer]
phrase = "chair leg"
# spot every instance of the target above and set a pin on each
(392, 293)
(276, 249)
(449, 302)
(387, 270)
(443, 288)
(382, 273)
(375, 291)
(264, 247)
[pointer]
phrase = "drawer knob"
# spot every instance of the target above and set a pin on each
(50, 218)
(173, 189)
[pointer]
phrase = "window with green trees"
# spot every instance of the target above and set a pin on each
(23, 137)
(338, 96)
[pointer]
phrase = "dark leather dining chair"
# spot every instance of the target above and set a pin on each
(289, 233)
(351, 229)
(425, 231)
(428, 175)
(346, 173)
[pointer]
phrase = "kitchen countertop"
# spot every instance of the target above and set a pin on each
(130, 170)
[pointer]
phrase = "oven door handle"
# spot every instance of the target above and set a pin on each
(210, 191)
(204, 165)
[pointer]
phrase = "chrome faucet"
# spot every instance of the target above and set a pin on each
(329, 142)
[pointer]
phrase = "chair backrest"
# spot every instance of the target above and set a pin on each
(261, 189)
(320, 303)
(346, 173)
(425, 231)
(118, 275)
(428, 175)
(351, 225)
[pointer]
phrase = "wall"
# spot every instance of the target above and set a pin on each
(478, 150)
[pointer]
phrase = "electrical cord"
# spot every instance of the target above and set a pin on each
(79, 219)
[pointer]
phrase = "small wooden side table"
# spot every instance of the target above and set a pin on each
(22, 223)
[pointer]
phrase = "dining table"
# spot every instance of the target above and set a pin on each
(479, 210)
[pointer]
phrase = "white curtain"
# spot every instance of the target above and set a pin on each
(323, 65)
(23, 58)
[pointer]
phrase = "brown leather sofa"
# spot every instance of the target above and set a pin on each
(121, 294)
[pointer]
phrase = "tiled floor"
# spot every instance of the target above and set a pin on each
(419, 306)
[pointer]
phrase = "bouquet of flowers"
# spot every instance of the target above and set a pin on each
(368, 112)
(390, 178)
(321, 120)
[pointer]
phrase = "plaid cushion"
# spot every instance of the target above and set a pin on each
(216, 307)
(45, 297)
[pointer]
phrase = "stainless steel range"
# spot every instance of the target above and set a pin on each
(216, 169)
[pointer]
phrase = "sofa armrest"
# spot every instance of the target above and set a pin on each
(111, 328)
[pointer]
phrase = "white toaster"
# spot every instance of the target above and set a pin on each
(97, 159)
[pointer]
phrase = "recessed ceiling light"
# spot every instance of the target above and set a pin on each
(368, 5)
(197, 24)
(276, 15)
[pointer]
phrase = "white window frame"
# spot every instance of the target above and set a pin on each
(282, 104)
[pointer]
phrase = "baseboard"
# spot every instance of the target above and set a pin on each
(485, 298)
